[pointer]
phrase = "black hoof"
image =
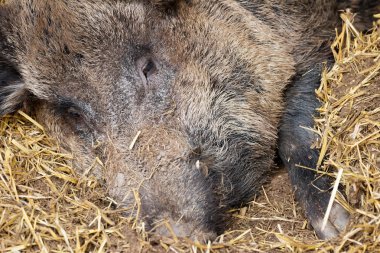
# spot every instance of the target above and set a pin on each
(316, 206)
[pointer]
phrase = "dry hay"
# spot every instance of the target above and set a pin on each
(350, 130)
(46, 207)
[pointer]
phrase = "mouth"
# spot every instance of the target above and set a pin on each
(173, 229)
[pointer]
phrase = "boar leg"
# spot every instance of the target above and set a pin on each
(311, 189)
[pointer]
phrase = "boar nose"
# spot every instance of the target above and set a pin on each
(171, 228)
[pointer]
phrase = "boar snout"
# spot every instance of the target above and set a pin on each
(172, 181)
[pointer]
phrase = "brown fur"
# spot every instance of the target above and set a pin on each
(209, 113)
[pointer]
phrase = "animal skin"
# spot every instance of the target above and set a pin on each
(186, 102)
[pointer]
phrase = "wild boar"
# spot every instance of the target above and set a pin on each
(184, 101)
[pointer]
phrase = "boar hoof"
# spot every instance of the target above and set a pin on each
(316, 207)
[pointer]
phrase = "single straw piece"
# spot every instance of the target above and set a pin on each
(134, 140)
(332, 198)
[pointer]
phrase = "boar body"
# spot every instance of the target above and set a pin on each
(182, 100)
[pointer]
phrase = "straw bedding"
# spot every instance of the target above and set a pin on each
(46, 207)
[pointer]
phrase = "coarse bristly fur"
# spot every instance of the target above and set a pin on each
(200, 85)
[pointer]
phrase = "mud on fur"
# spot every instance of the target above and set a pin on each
(212, 88)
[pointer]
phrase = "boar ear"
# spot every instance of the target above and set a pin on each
(12, 91)
(168, 6)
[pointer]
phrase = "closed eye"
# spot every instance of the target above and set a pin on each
(74, 113)
(71, 113)
(65, 106)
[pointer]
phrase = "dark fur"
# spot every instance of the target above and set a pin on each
(202, 80)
